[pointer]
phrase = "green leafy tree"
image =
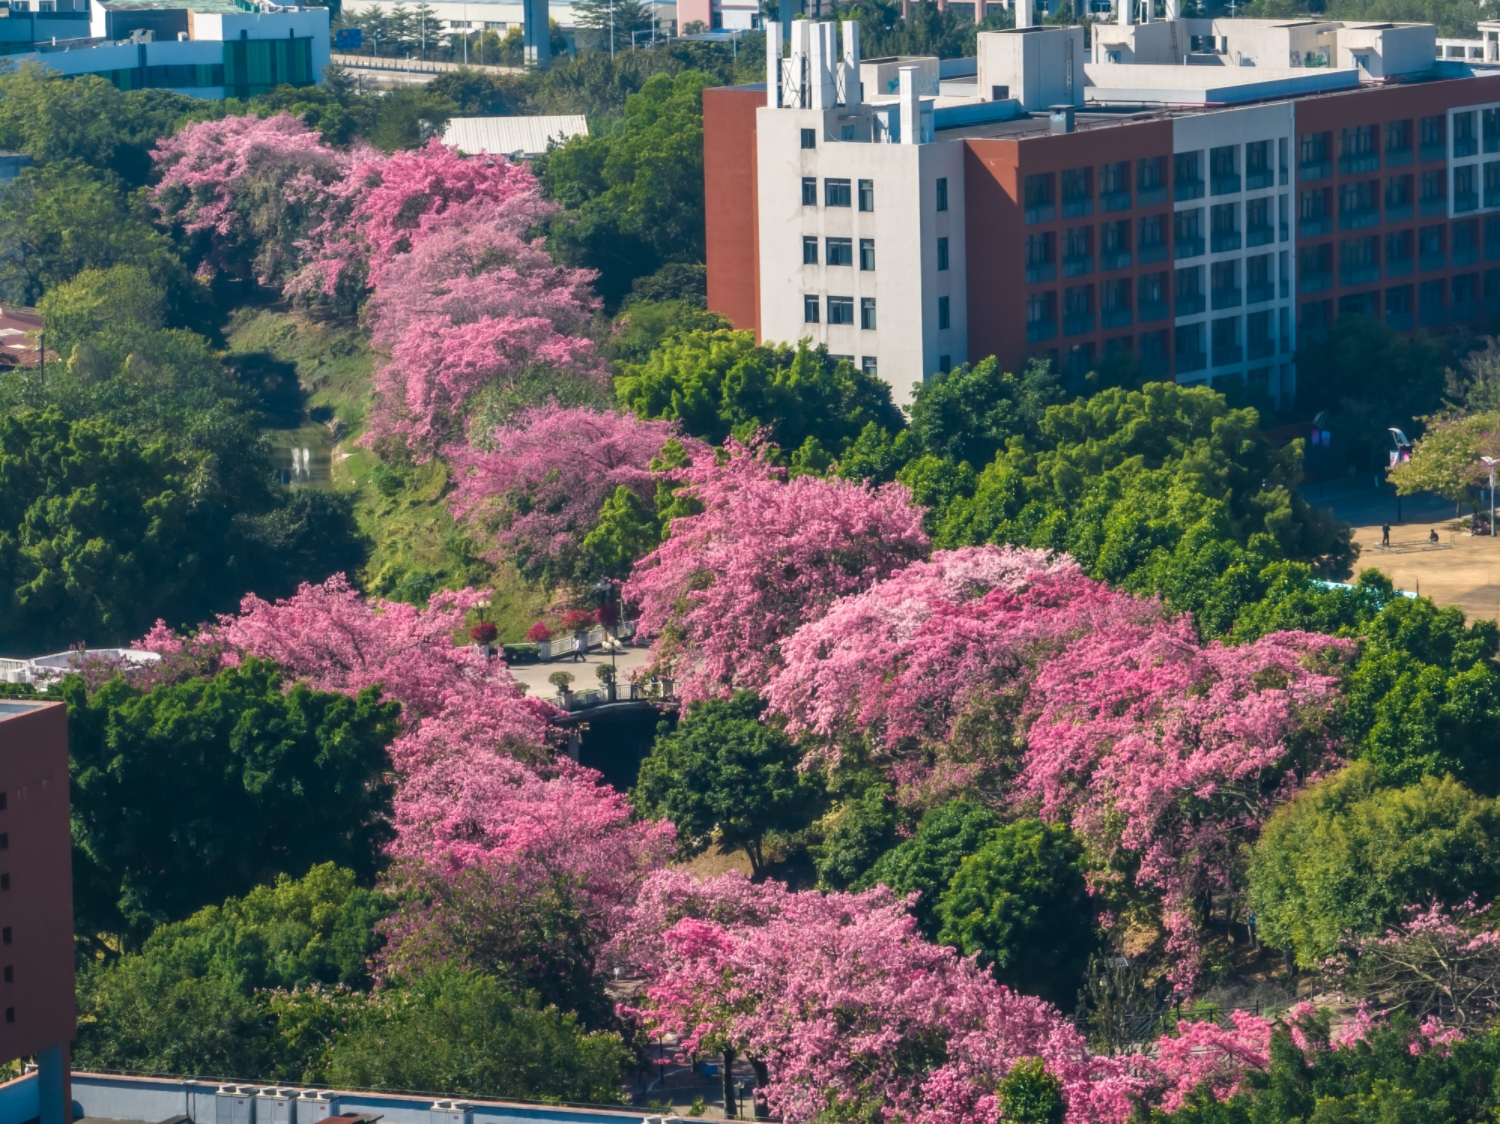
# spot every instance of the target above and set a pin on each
(628, 529)
(724, 776)
(1446, 460)
(1031, 1095)
(634, 196)
(464, 1033)
(861, 831)
(719, 383)
(193, 1000)
(1020, 902)
(1347, 855)
(971, 413)
(927, 862)
(265, 780)
(96, 304)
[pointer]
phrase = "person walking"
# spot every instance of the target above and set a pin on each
(1385, 534)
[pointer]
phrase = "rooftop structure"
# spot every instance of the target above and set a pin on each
(203, 48)
(513, 136)
(1196, 192)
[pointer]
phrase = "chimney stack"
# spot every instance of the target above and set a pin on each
(911, 107)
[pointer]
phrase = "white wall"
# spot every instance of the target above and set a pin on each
(905, 225)
(1042, 66)
(481, 15)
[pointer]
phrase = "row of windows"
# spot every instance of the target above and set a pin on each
(1144, 299)
(1427, 304)
(838, 193)
(1361, 147)
(840, 251)
(1426, 249)
(841, 311)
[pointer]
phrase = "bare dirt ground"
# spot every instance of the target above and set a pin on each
(1459, 569)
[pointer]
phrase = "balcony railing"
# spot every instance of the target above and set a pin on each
(1040, 330)
(1148, 255)
(1314, 170)
(1357, 220)
(1261, 349)
(1398, 267)
(1397, 157)
(1079, 325)
(1314, 282)
(1187, 189)
(1151, 196)
(1190, 305)
(1255, 181)
(1433, 208)
(1228, 354)
(1359, 275)
(1313, 225)
(1189, 248)
(1260, 236)
(1226, 240)
(1400, 321)
(1041, 271)
(1042, 212)
(1114, 259)
(1225, 298)
(1114, 201)
(1398, 212)
(1433, 317)
(1428, 262)
(1190, 361)
(1115, 318)
(1429, 152)
(1226, 185)
(1078, 267)
(1466, 201)
(1258, 294)
(1077, 208)
(1461, 311)
(1353, 165)
(1465, 255)
(1152, 310)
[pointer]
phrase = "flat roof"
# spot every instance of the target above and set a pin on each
(9, 708)
(221, 6)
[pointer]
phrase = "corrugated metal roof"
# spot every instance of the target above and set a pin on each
(506, 136)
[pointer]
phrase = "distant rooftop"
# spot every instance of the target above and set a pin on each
(509, 136)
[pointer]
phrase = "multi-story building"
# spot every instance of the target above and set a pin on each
(203, 48)
(37, 1011)
(1199, 192)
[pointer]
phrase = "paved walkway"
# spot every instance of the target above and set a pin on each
(534, 675)
(1459, 569)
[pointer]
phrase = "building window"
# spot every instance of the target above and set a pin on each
(10, 1014)
(4, 882)
(867, 313)
(942, 312)
(835, 193)
(841, 310)
(10, 974)
(942, 253)
(809, 250)
(866, 195)
(867, 254)
(809, 191)
(5, 935)
(809, 138)
(840, 252)
(868, 365)
(1465, 135)
(945, 364)
(809, 309)
(942, 194)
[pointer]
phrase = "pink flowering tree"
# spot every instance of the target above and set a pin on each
(1438, 964)
(1205, 1053)
(539, 482)
(766, 555)
(848, 1012)
(932, 664)
(251, 187)
(385, 205)
(1166, 755)
(475, 306)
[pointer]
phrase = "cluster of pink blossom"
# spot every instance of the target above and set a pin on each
(849, 1009)
(1207, 1053)
(1149, 742)
(541, 479)
(952, 639)
(248, 178)
(766, 556)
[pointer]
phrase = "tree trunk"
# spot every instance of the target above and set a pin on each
(730, 1110)
(762, 1079)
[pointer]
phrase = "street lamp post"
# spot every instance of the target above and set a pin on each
(1489, 463)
